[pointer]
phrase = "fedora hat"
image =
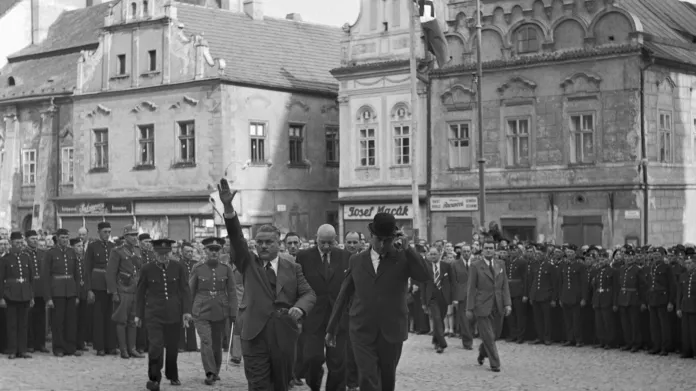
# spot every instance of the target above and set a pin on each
(383, 225)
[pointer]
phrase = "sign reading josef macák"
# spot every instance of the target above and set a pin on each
(368, 212)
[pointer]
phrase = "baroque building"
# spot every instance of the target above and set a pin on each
(589, 119)
(174, 96)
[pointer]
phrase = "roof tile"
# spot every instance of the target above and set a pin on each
(47, 75)
(6, 5)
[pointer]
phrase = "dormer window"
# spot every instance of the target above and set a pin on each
(134, 10)
(527, 39)
(10, 81)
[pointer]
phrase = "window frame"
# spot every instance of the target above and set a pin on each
(398, 139)
(451, 139)
(661, 133)
(521, 42)
(145, 142)
(121, 64)
(572, 155)
(70, 170)
(296, 144)
(29, 176)
(509, 158)
(367, 139)
(189, 140)
(693, 138)
(152, 60)
(98, 144)
(332, 138)
(262, 138)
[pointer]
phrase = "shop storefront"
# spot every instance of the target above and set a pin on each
(356, 217)
(452, 218)
(73, 215)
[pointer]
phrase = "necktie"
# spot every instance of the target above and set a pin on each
(270, 274)
(438, 280)
(490, 266)
(327, 265)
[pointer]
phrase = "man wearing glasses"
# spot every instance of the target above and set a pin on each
(377, 284)
(488, 299)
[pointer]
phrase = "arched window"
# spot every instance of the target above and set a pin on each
(528, 39)
(11, 81)
(134, 9)
(146, 9)
(367, 137)
(401, 133)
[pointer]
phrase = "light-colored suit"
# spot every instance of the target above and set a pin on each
(488, 295)
(460, 271)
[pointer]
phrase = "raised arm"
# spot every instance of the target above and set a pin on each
(241, 257)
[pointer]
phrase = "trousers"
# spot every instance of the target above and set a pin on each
(316, 354)
(604, 324)
(160, 337)
(489, 328)
(83, 323)
(36, 338)
(187, 339)
(466, 326)
(660, 329)
(104, 330)
(377, 362)
(211, 334)
(64, 325)
(351, 366)
(17, 319)
(572, 318)
(517, 321)
(542, 320)
(630, 323)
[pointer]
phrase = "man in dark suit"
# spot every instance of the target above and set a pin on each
(437, 295)
(377, 284)
(460, 270)
(488, 299)
(276, 297)
(324, 267)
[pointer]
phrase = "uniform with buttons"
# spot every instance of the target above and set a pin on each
(187, 336)
(686, 303)
(572, 293)
(631, 298)
(37, 315)
(661, 293)
(605, 286)
(96, 260)
(16, 277)
(542, 292)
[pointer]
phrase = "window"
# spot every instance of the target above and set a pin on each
(460, 145)
(66, 165)
(367, 147)
(121, 64)
(402, 145)
(527, 40)
(582, 138)
(101, 149)
(582, 230)
(146, 10)
(257, 133)
(665, 137)
(10, 81)
(134, 10)
(146, 144)
(152, 60)
(332, 145)
(187, 142)
(29, 166)
(518, 142)
(296, 142)
(693, 141)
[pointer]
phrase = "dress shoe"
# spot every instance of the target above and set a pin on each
(30, 350)
(607, 347)
(664, 353)
(174, 382)
(236, 361)
(569, 343)
(625, 348)
(494, 369)
(353, 389)
(114, 352)
(217, 377)
(520, 341)
(685, 356)
(298, 382)
(439, 350)
(654, 352)
(140, 351)
(153, 385)
(101, 353)
(44, 350)
(135, 354)
(579, 344)
(600, 346)
(24, 355)
(480, 359)
(77, 353)
(12, 356)
(547, 343)
(466, 347)
(536, 342)
(59, 354)
(635, 349)
(125, 355)
(209, 380)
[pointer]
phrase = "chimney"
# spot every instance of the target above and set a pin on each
(94, 2)
(35, 31)
(254, 8)
(294, 16)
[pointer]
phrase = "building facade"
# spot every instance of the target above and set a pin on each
(588, 121)
(172, 100)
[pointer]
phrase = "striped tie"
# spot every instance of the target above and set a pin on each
(438, 280)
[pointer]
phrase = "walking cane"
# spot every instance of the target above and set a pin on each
(229, 347)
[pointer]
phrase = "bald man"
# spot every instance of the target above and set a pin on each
(324, 267)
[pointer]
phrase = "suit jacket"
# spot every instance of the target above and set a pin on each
(461, 280)
(378, 298)
(448, 284)
(326, 288)
(259, 301)
(485, 288)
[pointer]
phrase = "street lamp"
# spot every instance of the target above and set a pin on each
(479, 107)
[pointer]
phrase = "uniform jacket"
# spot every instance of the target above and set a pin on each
(573, 283)
(163, 294)
(605, 288)
(485, 288)
(325, 287)
(661, 289)
(632, 285)
(147, 256)
(122, 269)
(260, 302)
(189, 265)
(517, 276)
(378, 298)
(686, 292)
(61, 274)
(82, 285)
(36, 257)
(16, 277)
(430, 295)
(214, 292)
(96, 260)
(460, 271)
(544, 282)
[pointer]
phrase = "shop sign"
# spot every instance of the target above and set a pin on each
(94, 208)
(453, 204)
(368, 212)
(632, 214)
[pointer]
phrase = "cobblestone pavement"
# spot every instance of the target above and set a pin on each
(524, 367)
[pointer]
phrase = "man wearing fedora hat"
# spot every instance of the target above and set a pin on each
(377, 282)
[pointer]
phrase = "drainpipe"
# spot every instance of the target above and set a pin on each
(429, 156)
(59, 160)
(644, 152)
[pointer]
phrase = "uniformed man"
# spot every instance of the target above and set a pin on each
(605, 286)
(631, 302)
(78, 245)
(686, 305)
(164, 300)
(147, 256)
(16, 278)
(122, 274)
(661, 296)
(517, 277)
(572, 295)
(214, 301)
(543, 295)
(187, 336)
(37, 314)
(61, 277)
(96, 259)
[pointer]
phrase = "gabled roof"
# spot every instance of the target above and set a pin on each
(6, 5)
(52, 75)
(276, 53)
(72, 30)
